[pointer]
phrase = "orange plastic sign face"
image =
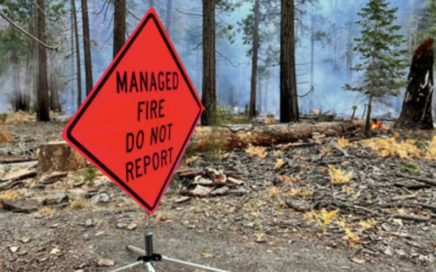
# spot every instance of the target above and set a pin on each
(136, 123)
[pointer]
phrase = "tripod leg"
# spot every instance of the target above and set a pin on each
(150, 267)
(129, 266)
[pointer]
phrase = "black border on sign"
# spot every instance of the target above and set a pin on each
(97, 90)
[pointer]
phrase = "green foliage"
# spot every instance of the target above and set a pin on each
(410, 168)
(428, 21)
(90, 173)
(380, 49)
(268, 22)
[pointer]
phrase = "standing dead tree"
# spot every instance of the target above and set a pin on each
(416, 111)
(42, 97)
(87, 46)
(119, 25)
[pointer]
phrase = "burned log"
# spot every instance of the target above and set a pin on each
(416, 111)
(241, 136)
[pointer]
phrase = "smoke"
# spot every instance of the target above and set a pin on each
(334, 21)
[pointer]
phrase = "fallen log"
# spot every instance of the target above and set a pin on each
(241, 136)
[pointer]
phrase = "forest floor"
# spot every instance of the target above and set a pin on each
(324, 204)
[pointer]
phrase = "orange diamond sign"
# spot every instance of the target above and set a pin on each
(136, 123)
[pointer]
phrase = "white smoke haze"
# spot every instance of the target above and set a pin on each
(233, 64)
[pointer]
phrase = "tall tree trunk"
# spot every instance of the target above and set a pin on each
(119, 25)
(252, 111)
(288, 80)
(42, 97)
(312, 49)
(78, 64)
(368, 115)
(349, 53)
(209, 61)
(55, 104)
(416, 112)
(87, 46)
(17, 96)
(30, 59)
(169, 15)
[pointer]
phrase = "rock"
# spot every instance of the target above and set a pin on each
(52, 177)
(235, 181)
(24, 240)
(239, 191)
(182, 199)
(22, 253)
(78, 183)
(57, 198)
(202, 191)
(55, 251)
(20, 174)
(14, 249)
(58, 156)
(203, 181)
(89, 223)
(105, 262)
(20, 206)
(132, 226)
(220, 191)
(121, 225)
(388, 251)
(101, 198)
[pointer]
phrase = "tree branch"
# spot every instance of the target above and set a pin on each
(22, 30)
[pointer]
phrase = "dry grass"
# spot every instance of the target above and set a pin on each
(47, 212)
(343, 143)
(431, 150)
(391, 147)
(279, 164)
(298, 192)
(79, 204)
(339, 177)
(20, 117)
(5, 137)
(322, 218)
(10, 195)
(257, 151)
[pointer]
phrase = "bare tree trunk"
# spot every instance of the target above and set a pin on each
(416, 112)
(209, 62)
(349, 53)
(312, 49)
(169, 15)
(252, 111)
(119, 25)
(17, 97)
(55, 104)
(288, 81)
(78, 64)
(43, 104)
(368, 114)
(30, 59)
(87, 46)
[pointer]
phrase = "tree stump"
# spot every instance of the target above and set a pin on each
(59, 156)
(416, 111)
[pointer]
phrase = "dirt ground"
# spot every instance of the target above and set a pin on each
(89, 221)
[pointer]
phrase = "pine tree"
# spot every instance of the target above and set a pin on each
(381, 57)
(427, 25)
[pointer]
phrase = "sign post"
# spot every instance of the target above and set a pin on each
(136, 123)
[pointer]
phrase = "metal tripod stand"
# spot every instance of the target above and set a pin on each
(148, 256)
